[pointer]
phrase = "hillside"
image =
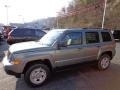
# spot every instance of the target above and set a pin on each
(88, 13)
(47, 23)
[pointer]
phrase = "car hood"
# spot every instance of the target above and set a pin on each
(26, 46)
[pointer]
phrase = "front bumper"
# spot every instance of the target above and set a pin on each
(11, 69)
(9, 72)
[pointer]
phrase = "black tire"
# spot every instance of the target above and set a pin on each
(32, 68)
(100, 64)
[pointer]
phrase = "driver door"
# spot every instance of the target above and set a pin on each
(72, 52)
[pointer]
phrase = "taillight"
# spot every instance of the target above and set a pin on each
(10, 37)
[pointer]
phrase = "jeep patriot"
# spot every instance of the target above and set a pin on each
(60, 47)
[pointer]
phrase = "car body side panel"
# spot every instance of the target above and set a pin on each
(110, 46)
(69, 55)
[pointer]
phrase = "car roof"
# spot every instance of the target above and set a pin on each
(25, 28)
(29, 29)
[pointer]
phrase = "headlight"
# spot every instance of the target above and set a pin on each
(16, 61)
(11, 57)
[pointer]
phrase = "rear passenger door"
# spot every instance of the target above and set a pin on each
(92, 41)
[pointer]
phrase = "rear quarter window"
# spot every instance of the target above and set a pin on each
(106, 37)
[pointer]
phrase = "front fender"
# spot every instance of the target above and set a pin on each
(42, 57)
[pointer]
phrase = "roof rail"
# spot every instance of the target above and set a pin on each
(96, 28)
(90, 28)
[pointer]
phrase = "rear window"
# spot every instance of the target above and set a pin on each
(106, 36)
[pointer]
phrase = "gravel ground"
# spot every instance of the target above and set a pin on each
(84, 77)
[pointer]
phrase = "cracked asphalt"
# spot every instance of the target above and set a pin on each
(77, 77)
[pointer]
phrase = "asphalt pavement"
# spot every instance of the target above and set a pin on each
(3, 47)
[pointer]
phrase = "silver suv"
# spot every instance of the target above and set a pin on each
(59, 48)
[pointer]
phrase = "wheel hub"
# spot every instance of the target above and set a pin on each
(105, 62)
(37, 76)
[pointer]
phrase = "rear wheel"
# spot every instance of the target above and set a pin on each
(104, 62)
(36, 75)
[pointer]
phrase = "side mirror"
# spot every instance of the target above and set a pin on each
(62, 44)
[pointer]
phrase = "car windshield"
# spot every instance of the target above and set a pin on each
(50, 37)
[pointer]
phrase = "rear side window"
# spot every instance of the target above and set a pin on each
(92, 37)
(106, 36)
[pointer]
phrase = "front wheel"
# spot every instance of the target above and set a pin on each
(36, 75)
(104, 62)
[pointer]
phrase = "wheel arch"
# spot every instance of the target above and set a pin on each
(108, 53)
(43, 61)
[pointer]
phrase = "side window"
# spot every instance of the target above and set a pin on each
(74, 38)
(106, 36)
(29, 32)
(92, 37)
(17, 33)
